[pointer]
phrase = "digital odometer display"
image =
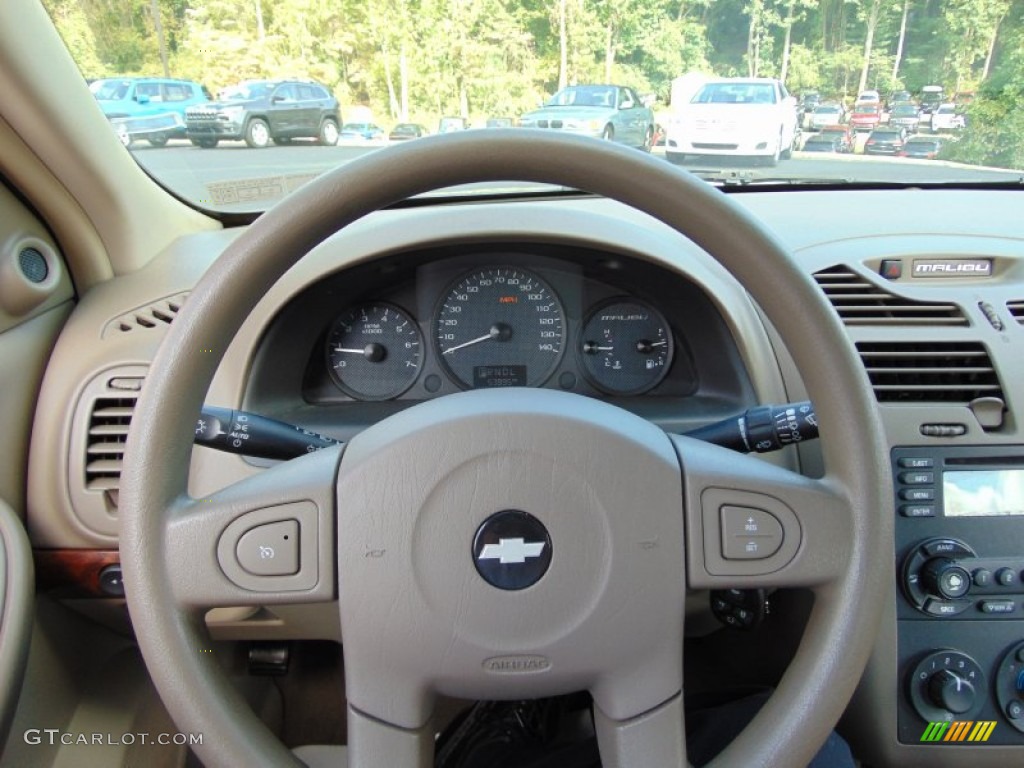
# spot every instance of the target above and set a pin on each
(500, 326)
(983, 493)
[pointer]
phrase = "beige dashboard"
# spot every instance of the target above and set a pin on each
(961, 335)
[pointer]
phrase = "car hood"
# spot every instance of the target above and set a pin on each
(569, 113)
(229, 103)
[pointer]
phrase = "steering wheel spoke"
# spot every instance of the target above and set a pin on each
(754, 524)
(267, 539)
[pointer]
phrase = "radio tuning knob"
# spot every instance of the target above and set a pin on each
(943, 577)
(950, 692)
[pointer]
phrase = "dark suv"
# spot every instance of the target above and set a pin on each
(261, 111)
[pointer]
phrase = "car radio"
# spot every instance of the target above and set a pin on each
(960, 566)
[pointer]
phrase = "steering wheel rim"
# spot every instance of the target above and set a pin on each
(848, 604)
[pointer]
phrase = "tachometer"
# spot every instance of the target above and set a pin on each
(500, 327)
(374, 351)
(626, 347)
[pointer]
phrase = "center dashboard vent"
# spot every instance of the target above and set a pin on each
(858, 301)
(930, 372)
(1017, 310)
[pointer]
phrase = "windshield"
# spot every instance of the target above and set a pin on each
(710, 88)
(584, 96)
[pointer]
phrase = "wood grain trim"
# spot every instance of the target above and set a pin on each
(73, 572)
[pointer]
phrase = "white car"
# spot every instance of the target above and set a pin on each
(751, 117)
(946, 119)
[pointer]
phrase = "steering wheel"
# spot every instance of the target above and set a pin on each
(622, 518)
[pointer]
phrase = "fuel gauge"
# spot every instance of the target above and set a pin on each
(626, 347)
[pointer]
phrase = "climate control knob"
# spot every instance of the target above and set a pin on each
(946, 685)
(942, 577)
(950, 692)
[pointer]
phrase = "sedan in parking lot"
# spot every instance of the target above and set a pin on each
(361, 132)
(826, 114)
(823, 142)
(610, 112)
(885, 141)
(406, 131)
(922, 147)
(846, 137)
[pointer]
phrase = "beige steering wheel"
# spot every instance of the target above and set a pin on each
(634, 517)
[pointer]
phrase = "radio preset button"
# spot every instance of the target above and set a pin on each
(918, 494)
(1006, 576)
(997, 606)
(917, 478)
(982, 577)
(915, 462)
(917, 510)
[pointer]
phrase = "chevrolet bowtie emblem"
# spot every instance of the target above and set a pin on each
(511, 551)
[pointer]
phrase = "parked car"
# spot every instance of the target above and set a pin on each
(922, 147)
(905, 116)
(823, 142)
(267, 110)
(946, 119)
(406, 131)
(899, 97)
(826, 114)
(931, 98)
(500, 122)
(885, 141)
(847, 138)
(808, 102)
(610, 112)
(152, 108)
(865, 117)
(449, 124)
(749, 117)
(869, 97)
(361, 132)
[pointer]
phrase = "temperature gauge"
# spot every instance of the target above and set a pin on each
(374, 351)
(626, 347)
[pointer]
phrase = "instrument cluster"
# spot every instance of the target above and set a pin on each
(500, 325)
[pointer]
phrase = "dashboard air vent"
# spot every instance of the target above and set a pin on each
(1017, 310)
(104, 450)
(860, 302)
(156, 315)
(930, 372)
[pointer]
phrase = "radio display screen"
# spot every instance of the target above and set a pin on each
(983, 493)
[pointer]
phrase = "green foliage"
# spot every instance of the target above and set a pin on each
(420, 59)
(995, 120)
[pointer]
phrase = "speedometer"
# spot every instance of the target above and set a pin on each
(500, 327)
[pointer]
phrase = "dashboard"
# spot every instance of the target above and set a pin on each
(587, 296)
